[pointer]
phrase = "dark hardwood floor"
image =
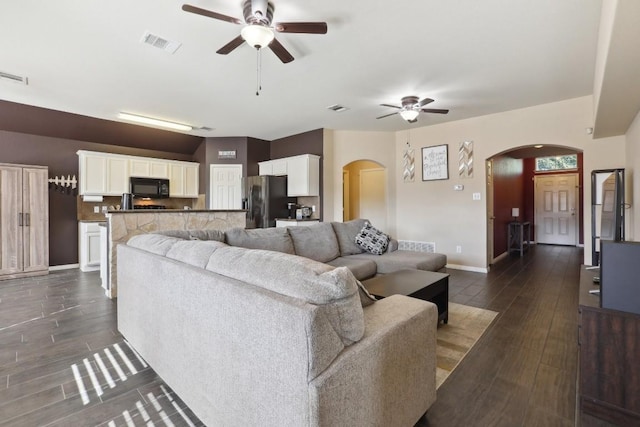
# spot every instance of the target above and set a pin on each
(63, 363)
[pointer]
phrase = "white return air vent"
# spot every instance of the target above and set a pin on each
(409, 245)
(13, 78)
(160, 42)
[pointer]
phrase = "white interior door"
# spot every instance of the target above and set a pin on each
(225, 187)
(556, 213)
(373, 197)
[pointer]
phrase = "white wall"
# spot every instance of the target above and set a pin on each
(632, 179)
(348, 146)
(431, 210)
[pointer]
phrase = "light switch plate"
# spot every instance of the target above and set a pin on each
(476, 196)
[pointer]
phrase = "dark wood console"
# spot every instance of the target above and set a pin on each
(609, 365)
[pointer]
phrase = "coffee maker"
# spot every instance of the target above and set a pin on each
(291, 208)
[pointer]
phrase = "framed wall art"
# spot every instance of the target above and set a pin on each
(435, 162)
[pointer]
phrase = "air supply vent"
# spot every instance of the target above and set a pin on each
(160, 42)
(337, 108)
(13, 78)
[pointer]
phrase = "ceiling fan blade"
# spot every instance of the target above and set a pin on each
(391, 106)
(434, 110)
(425, 102)
(302, 27)
(210, 14)
(386, 115)
(280, 51)
(229, 47)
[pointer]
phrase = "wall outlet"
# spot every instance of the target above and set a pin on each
(104, 209)
(96, 209)
(458, 249)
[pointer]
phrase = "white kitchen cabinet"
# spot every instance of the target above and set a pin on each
(106, 174)
(183, 179)
(303, 175)
(24, 221)
(89, 246)
(276, 167)
(147, 168)
(117, 176)
(295, 222)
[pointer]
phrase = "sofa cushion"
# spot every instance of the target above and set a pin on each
(372, 240)
(317, 242)
(194, 252)
(154, 243)
(216, 235)
(271, 239)
(346, 234)
(362, 269)
(401, 260)
(333, 290)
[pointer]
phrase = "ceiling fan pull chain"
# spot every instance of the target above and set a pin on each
(258, 71)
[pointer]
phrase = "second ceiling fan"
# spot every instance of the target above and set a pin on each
(412, 107)
(258, 30)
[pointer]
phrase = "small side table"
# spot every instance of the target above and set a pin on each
(519, 236)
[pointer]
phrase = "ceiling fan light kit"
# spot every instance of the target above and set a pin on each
(257, 35)
(412, 107)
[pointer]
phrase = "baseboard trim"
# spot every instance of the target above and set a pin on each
(467, 268)
(63, 267)
(500, 257)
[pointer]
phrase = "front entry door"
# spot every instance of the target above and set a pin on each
(556, 215)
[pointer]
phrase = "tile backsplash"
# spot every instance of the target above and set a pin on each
(85, 210)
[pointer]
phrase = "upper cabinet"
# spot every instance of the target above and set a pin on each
(303, 175)
(302, 172)
(104, 174)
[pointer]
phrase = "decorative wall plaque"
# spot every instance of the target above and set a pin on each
(465, 159)
(435, 162)
(409, 159)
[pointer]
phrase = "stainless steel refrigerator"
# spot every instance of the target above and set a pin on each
(265, 198)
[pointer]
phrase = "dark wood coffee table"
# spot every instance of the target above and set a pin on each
(424, 285)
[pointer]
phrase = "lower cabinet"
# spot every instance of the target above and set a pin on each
(89, 246)
(24, 221)
(295, 222)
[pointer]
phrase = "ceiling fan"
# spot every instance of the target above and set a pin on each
(258, 30)
(411, 107)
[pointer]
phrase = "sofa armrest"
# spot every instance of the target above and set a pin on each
(392, 370)
(393, 245)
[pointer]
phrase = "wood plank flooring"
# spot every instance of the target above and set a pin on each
(57, 331)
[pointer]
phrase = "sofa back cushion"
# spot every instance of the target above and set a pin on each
(333, 290)
(216, 235)
(346, 234)
(317, 242)
(271, 239)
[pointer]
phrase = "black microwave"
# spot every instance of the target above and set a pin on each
(154, 188)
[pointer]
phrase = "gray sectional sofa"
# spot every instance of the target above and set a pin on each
(266, 338)
(330, 243)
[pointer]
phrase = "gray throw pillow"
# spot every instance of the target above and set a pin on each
(271, 239)
(372, 240)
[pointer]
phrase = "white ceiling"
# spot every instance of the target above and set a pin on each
(473, 57)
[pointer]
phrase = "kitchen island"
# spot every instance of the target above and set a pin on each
(122, 225)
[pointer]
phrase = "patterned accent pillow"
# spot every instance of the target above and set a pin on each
(372, 240)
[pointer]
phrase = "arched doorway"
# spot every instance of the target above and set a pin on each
(511, 183)
(365, 192)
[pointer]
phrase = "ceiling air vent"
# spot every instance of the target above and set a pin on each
(159, 42)
(337, 108)
(13, 78)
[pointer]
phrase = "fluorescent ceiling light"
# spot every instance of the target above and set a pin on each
(154, 122)
(409, 115)
(257, 35)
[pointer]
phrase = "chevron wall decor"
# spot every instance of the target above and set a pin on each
(465, 159)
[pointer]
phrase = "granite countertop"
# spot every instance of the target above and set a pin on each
(139, 211)
(104, 220)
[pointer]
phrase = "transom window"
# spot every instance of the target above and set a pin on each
(557, 163)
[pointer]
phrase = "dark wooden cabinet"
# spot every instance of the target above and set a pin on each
(609, 345)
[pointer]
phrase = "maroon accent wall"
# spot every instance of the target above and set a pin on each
(60, 156)
(507, 194)
(44, 122)
(529, 192)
